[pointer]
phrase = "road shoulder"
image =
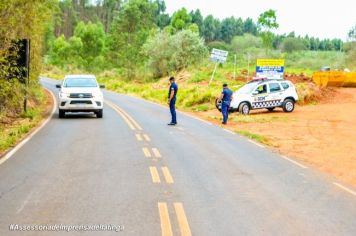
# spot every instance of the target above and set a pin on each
(20, 130)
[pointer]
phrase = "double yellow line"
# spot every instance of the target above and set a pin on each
(127, 118)
(154, 152)
(166, 226)
(166, 174)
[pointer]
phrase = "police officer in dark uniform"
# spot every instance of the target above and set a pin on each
(225, 98)
(172, 96)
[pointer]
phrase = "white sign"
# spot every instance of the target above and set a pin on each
(218, 56)
(270, 68)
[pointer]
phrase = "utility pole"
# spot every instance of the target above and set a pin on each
(212, 76)
(27, 79)
(235, 67)
(248, 65)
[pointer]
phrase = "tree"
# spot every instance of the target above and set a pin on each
(227, 29)
(181, 19)
(129, 32)
(267, 21)
(162, 19)
(250, 27)
(92, 37)
(106, 9)
(59, 51)
(277, 41)
(197, 18)
(208, 29)
(167, 53)
(352, 34)
(217, 29)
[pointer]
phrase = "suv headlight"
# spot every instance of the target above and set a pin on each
(97, 95)
(63, 95)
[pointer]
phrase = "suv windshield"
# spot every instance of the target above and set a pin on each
(80, 82)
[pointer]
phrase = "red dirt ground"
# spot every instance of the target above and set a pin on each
(322, 136)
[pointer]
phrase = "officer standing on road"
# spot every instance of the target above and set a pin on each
(172, 96)
(225, 98)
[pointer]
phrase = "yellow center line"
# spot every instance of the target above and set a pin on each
(182, 219)
(155, 175)
(167, 175)
(121, 114)
(147, 138)
(156, 152)
(130, 118)
(146, 152)
(165, 222)
(138, 137)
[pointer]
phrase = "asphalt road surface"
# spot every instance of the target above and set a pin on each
(132, 173)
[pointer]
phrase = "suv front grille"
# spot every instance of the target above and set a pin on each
(80, 102)
(80, 95)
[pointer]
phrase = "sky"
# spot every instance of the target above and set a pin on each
(318, 18)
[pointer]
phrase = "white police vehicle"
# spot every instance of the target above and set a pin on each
(263, 93)
(80, 93)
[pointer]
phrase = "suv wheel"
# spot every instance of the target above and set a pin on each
(61, 113)
(288, 105)
(218, 104)
(244, 108)
(99, 114)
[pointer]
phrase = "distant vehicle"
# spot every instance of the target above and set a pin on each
(80, 93)
(263, 94)
(325, 68)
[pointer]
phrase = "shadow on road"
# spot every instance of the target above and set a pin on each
(80, 115)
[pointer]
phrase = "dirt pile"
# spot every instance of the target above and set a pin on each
(301, 78)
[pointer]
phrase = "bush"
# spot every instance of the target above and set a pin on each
(168, 53)
(219, 45)
(241, 43)
(293, 44)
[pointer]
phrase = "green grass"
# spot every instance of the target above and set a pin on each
(12, 131)
(257, 137)
(9, 136)
(195, 92)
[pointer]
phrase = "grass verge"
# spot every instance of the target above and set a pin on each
(256, 137)
(14, 129)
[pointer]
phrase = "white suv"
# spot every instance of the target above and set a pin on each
(80, 93)
(263, 93)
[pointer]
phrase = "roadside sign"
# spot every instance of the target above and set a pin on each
(218, 56)
(270, 68)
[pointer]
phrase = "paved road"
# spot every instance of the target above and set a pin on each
(130, 169)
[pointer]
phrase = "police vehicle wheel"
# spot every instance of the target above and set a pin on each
(61, 113)
(244, 108)
(288, 105)
(218, 104)
(270, 108)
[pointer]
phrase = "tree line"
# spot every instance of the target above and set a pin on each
(71, 12)
(118, 34)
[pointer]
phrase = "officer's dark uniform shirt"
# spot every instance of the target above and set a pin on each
(174, 87)
(227, 95)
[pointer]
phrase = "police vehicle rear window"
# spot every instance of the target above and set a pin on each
(285, 85)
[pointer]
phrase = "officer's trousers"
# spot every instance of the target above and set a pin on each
(172, 107)
(225, 110)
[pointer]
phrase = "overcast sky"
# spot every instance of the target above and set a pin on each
(320, 18)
